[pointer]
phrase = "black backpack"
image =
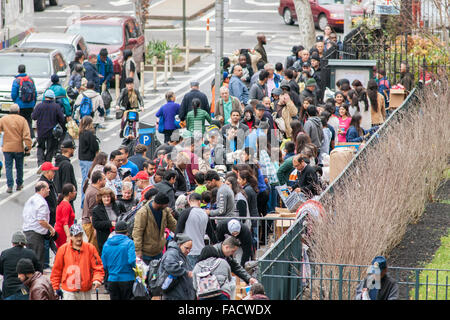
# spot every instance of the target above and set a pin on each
(129, 217)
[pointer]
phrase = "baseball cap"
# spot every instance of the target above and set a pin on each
(68, 143)
(306, 64)
(381, 262)
(141, 175)
(234, 226)
(75, 229)
(19, 238)
(24, 266)
(260, 106)
(49, 94)
(47, 166)
(195, 84)
(277, 91)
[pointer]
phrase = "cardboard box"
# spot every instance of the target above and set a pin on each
(281, 226)
(354, 145)
(397, 96)
(285, 213)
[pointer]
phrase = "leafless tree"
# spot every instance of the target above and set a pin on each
(305, 23)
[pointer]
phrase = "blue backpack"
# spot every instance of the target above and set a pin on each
(86, 107)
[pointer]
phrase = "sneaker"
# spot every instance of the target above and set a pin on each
(9, 190)
(19, 187)
(34, 142)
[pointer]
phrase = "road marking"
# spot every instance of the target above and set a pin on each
(71, 10)
(120, 3)
(253, 11)
(260, 4)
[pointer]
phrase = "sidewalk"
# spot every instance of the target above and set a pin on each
(173, 9)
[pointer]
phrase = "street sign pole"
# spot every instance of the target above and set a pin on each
(219, 48)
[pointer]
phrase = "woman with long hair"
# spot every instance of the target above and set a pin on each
(64, 214)
(377, 103)
(240, 199)
(355, 132)
(195, 119)
(339, 99)
(248, 182)
(297, 127)
(105, 214)
(98, 163)
(344, 122)
(301, 141)
(87, 149)
(129, 69)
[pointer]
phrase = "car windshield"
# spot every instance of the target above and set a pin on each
(38, 67)
(67, 50)
(98, 34)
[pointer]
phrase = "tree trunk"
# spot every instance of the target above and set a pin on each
(305, 23)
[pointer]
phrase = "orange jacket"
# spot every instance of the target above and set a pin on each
(74, 270)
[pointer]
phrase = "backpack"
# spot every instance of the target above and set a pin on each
(128, 217)
(86, 107)
(153, 280)
(27, 89)
(207, 284)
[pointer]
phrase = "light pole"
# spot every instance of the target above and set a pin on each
(219, 48)
(184, 23)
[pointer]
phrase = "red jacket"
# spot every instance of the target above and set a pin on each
(76, 271)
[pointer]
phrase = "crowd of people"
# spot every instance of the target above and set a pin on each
(189, 204)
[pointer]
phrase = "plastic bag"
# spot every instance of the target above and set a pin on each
(140, 292)
(73, 129)
(328, 94)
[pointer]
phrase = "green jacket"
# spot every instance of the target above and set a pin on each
(61, 93)
(148, 240)
(285, 170)
(197, 123)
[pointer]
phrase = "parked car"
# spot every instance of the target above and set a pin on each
(324, 12)
(68, 44)
(40, 5)
(115, 33)
(40, 63)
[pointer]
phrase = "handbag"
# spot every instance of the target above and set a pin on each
(107, 99)
(57, 131)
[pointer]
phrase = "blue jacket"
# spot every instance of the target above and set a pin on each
(105, 69)
(238, 89)
(169, 111)
(91, 74)
(15, 94)
(352, 134)
(61, 93)
(47, 114)
(119, 258)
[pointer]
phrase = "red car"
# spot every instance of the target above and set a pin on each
(324, 12)
(115, 33)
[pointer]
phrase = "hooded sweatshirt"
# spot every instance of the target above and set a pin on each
(97, 104)
(119, 258)
(251, 123)
(222, 271)
(313, 127)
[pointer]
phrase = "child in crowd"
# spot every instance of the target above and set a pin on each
(200, 181)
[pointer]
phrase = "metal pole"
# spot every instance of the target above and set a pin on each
(154, 62)
(184, 22)
(171, 65)
(219, 48)
(186, 67)
(347, 16)
(207, 33)
(142, 78)
(116, 82)
(165, 84)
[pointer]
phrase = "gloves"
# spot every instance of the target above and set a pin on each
(59, 293)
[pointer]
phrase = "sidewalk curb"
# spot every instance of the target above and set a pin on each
(191, 17)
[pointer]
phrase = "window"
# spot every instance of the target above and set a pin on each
(58, 63)
(130, 30)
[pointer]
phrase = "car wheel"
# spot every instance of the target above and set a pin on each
(53, 2)
(39, 5)
(287, 17)
(323, 21)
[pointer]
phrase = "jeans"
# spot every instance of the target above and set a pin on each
(192, 260)
(26, 113)
(120, 290)
(10, 157)
(167, 135)
(17, 296)
(84, 166)
(147, 259)
(46, 149)
(46, 254)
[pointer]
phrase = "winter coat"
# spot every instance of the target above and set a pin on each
(124, 101)
(306, 93)
(313, 128)
(219, 112)
(307, 181)
(244, 236)
(65, 173)
(40, 287)
(379, 116)
(252, 203)
(407, 80)
(168, 111)
(262, 51)
(8, 262)
(148, 239)
(98, 106)
(128, 67)
(16, 132)
(285, 170)
(119, 258)
(186, 103)
(102, 224)
(174, 262)
(388, 289)
(61, 93)
(15, 93)
(236, 268)
(88, 146)
(222, 273)
(288, 111)
(91, 74)
(105, 69)
(47, 115)
(352, 135)
(197, 123)
(75, 270)
(252, 123)
(238, 89)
